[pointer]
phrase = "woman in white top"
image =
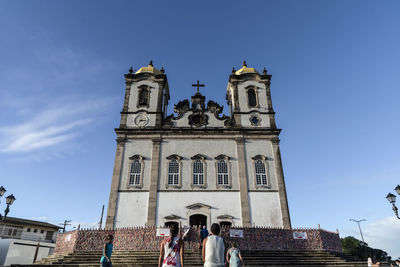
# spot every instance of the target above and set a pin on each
(213, 248)
(172, 250)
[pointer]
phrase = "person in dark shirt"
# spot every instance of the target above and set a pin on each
(203, 234)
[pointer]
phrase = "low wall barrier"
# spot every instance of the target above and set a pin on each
(255, 238)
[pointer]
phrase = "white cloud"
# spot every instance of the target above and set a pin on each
(384, 234)
(49, 126)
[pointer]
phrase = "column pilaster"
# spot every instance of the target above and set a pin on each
(115, 182)
(126, 104)
(281, 184)
(244, 195)
(154, 176)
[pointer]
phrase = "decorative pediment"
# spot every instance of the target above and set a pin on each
(257, 157)
(198, 206)
(136, 157)
(172, 217)
(225, 157)
(199, 156)
(174, 156)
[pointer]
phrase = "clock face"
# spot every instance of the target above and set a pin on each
(141, 120)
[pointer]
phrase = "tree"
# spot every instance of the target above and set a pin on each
(353, 246)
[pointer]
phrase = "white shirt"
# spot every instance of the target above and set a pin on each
(215, 250)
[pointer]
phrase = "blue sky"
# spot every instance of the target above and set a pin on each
(335, 90)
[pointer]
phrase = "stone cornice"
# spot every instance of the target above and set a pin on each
(198, 131)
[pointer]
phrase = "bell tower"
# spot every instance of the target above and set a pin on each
(249, 98)
(146, 98)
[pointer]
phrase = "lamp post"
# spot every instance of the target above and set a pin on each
(9, 201)
(392, 199)
(358, 222)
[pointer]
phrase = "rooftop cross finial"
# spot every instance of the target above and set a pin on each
(198, 85)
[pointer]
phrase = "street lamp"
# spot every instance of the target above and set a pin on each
(358, 222)
(9, 201)
(392, 200)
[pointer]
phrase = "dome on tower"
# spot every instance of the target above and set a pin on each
(245, 70)
(149, 69)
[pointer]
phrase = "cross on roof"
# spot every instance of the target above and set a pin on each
(198, 85)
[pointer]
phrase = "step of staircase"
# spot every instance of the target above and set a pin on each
(193, 258)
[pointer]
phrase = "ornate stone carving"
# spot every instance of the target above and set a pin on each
(214, 107)
(229, 123)
(198, 118)
(181, 108)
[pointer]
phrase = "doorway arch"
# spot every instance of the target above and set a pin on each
(198, 220)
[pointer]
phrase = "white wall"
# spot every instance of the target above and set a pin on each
(38, 236)
(255, 147)
(4, 245)
(223, 203)
(132, 209)
(142, 147)
(265, 209)
(187, 148)
(22, 251)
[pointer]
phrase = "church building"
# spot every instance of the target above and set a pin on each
(197, 166)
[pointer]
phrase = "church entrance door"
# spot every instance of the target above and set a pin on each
(225, 224)
(169, 224)
(198, 219)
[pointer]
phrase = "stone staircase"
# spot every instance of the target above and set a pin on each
(193, 258)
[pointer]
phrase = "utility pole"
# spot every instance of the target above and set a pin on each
(64, 224)
(101, 218)
(358, 222)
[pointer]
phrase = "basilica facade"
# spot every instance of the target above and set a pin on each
(197, 166)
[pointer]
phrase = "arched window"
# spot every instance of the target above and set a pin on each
(135, 179)
(222, 172)
(143, 97)
(198, 172)
(136, 171)
(261, 172)
(251, 94)
(173, 172)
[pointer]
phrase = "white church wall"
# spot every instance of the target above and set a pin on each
(142, 147)
(187, 148)
(132, 209)
(260, 147)
(265, 209)
(175, 203)
(135, 91)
